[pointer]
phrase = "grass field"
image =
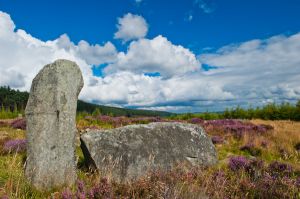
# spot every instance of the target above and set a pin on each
(257, 159)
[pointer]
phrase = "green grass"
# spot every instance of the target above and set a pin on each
(180, 182)
(8, 114)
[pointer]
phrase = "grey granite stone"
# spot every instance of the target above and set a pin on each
(129, 152)
(51, 115)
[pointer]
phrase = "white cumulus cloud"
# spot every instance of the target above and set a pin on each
(156, 55)
(131, 27)
(22, 55)
(92, 54)
(139, 90)
(259, 70)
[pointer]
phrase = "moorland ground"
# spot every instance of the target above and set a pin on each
(257, 159)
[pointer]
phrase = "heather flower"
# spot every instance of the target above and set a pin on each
(196, 121)
(297, 183)
(219, 176)
(91, 193)
(264, 144)
(104, 118)
(80, 185)
(18, 145)
(266, 182)
(105, 186)
(288, 181)
(280, 169)
(19, 124)
(103, 189)
(80, 195)
(232, 126)
(217, 139)
(66, 194)
(145, 120)
(238, 162)
(191, 175)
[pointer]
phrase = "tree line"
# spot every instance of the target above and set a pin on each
(13, 102)
(272, 111)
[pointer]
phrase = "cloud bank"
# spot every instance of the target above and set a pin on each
(254, 72)
(259, 69)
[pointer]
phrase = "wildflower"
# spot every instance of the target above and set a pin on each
(18, 145)
(217, 139)
(100, 190)
(232, 126)
(280, 169)
(266, 182)
(196, 121)
(191, 175)
(264, 144)
(19, 124)
(80, 185)
(80, 193)
(238, 162)
(298, 182)
(219, 176)
(66, 194)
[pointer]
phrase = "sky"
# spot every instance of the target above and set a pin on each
(178, 56)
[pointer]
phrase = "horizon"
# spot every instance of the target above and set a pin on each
(186, 56)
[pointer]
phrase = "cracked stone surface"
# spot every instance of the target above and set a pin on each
(50, 114)
(129, 152)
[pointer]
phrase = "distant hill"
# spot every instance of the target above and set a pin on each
(16, 100)
(107, 110)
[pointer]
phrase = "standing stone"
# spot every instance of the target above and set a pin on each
(51, 130)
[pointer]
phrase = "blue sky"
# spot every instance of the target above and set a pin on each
(183, 55)
(229, 21)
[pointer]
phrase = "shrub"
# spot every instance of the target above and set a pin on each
(235, 127)
(277, 169)
(238, 162)
(66, 194)
(17, 146)
(264, 143)
(101, 190)
(19, 124)
(217, 139)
